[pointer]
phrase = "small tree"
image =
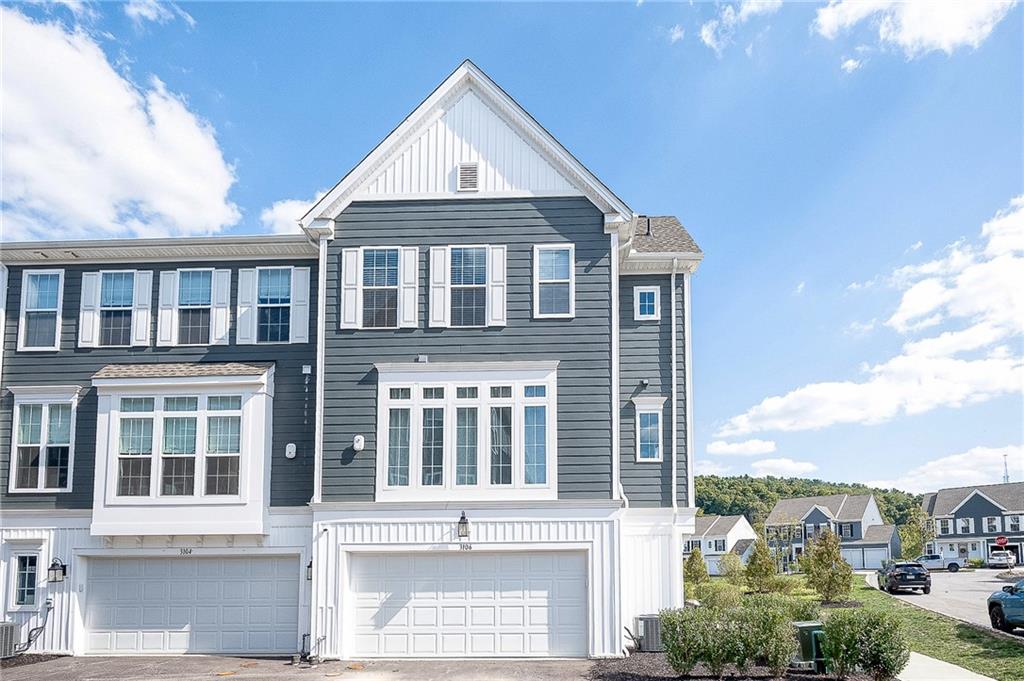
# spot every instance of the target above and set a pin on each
(731, 567)
(761, 567)
(695, 571)
(827, 572)
(916, 533)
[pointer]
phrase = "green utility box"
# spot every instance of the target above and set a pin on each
(809, 636)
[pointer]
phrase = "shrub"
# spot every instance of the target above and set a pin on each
(760, 570)
(682, 633)
(827, 572)
(717, 594)
(884, 651)
(769, 634)
(976, 562)
(719, 639)
(841, 642)
(731, 567)
(695, 571)
(796, 609)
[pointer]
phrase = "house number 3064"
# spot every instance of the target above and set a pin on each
(185, 552)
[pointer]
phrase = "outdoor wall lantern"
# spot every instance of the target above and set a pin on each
(57, 571)
(309, 571)
(463, 526)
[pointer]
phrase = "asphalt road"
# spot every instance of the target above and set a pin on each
(962, 595)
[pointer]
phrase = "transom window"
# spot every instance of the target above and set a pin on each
(117, 296)
(195, 441)
(40, 309)
(274, 305)
(195, 304)
(380, 288)
(554, 280)
(461, 437)
(43, 445)
(469, 286)
(646, 303)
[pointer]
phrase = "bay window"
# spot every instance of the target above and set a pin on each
(43, 441)
(451, 431)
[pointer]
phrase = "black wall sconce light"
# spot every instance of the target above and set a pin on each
(309, 571)
(57, 571)
(463, 526)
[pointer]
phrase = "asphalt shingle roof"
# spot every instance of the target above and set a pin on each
(741, 546)
(720, 524)
(661, 234)
(1008, 495)
(182, 369)
(839, 506)
(874, 534)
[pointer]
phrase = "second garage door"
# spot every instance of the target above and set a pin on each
(463, 604)
(192, 605)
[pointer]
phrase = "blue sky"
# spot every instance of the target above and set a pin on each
(813, 151)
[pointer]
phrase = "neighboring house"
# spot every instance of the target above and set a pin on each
(866, 541)
(969, 519)
(449, 419)
(716, 535)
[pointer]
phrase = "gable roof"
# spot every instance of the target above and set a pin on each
(874, 534)
(842, 507)
(1008, 495)
(715, 525)
(741, 546)
(467, 77)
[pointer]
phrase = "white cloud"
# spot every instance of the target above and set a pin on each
(745, 448)
(850, 65)
(718, 33)
(676, 33)
(708, 467)
(977, 466)
(782, 467)
(282, 217)
(916, 246)
(140, 11)
(916, 26)
(972, 294)
(124, 160)
(856, 328)
(799, 288)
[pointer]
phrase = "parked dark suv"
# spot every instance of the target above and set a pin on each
(904, 576)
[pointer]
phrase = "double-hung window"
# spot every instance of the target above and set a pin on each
(649, 428)
(42, 294)
(469, 286)
(1013, 523)
(719, 545)
(554, 281)
(117, 298)
(197, 440)
(646, 303)
(380, 288)
(945, 526)
(195, 306)
(446, 433)
(992, 524)
(44, 436)
(274, 305)
(115, 308)
(965, 525)
(846, 530)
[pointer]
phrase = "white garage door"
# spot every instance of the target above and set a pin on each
(463, 604)
(854, 557)
(873, 558)
(192, 605)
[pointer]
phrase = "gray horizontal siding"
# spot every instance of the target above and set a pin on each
(294, 410)
(581, 344)
(683, 457)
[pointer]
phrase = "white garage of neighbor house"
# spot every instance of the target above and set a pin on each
(871, 552)
(716, 535)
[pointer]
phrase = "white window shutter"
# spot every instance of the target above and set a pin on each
(440, 286)
(89, 319)
(497, 284)
(408, 287)
(299, 326)
(245, 315)
(167, 314)
(220, 317)
(142, 305)
(351, 303)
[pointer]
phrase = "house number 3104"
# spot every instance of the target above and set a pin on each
(185, 552)
(465, 547)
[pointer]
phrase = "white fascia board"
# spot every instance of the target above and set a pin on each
(980, 494)
(263, 247)
(821, 508)
(183, 382)
(341, 195)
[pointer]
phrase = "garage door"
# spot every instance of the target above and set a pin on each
(854, 557)
(470, 604)
(873, 558)
(192, 605)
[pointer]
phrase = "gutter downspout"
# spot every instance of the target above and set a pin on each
(688, 368)
(321, 335)
(675, 393)
(616, 464)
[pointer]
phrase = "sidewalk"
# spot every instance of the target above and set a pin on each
(924, 668)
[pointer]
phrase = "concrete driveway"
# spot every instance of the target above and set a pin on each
(961, 594)
(204, 667)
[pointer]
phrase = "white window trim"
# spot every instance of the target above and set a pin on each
(650, 405)
(136, 308)
(716, 544)
(452, 376)
(178, 307)
(24, 547)
(970, 525)
(998, 523)
(485, 286)
(944, 526)
(256, 305)
(1007, 522)
(637, 290)
(22, 330)
(537, 249)
(397, 288)
(45, 395)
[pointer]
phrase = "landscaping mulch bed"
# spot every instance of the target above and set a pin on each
(27, 658)
(653, 667)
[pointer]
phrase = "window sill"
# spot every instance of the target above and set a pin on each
(477, 493)
(658, 460)
(21, 349)
(62, 490)
(176, 501)
(647, 319)
(24, 608)
(554, 316)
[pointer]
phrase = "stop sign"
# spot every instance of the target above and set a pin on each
(1002, 541)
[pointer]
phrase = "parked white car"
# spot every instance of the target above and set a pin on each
(934, 561)
(1002, 559)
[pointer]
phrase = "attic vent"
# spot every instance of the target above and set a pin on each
(469, 177)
